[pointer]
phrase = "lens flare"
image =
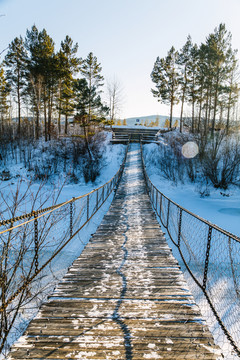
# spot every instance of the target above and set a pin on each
(190, 149)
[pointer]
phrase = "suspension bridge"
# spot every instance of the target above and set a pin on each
(125, 296)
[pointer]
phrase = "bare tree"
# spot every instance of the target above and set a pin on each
(115, 97)
(20, 255)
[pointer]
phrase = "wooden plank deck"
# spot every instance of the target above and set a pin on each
(125, 296)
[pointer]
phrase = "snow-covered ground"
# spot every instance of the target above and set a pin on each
(48, 194)
(220, 209)
(224, 259)
(58, 188)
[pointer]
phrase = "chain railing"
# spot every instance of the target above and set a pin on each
(31, 242)
(211, 257)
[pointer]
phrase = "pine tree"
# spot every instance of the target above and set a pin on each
(167, 123)
(205, 86)
(219, 45)
(83, 96)
(91, 70)
(203, 90)
(34, 77)
(42, 76)
(206, 76)
(183, 62)
(175, 125)
(166, 78)
(15, 61)
(40, 48)
(47, 67)
(68, 66)
(96, 111)
(192, 87)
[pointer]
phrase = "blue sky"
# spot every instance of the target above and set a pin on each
(125, 35)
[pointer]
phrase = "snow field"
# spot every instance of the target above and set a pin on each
(53, 230)
(223, 276)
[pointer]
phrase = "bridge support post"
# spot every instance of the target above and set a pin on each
(71, 218)
(36, 240)
(160, 208)
(168, 210)
(97, 200)
(87, 207)
(156, 201)
(207, 257)
(179, 226)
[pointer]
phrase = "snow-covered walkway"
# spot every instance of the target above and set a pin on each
(124, 297)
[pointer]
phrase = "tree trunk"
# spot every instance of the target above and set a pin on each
(45, 116)
(50, 102)
(66, 124)
(215, 106)
(37, 124)
(59, 111)
(193, 116)
(209, 110)
(49, 119)
(87, 142)
(229, 108)
(181, 115)
(206, 114)
(19, 105)
(59, 122)
(183, 98)
(199, 116)
(171, 112)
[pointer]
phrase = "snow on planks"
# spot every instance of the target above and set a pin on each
(125, 296)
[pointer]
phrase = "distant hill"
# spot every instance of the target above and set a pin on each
(148, 119)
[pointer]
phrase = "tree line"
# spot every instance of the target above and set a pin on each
(38, 77)
(204, 77)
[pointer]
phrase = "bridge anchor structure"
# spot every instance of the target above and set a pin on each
(125, 296)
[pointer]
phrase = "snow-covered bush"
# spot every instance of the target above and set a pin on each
(221, 160)
(64, 157)
(93, 159)
(217, 161)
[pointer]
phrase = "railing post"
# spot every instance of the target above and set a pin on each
(179, 226)
(168, 210)
(71, 217)
(160, 208)
(36, 240)
(87, 207)
(97, 200)
(156, 202)
(207, 257)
